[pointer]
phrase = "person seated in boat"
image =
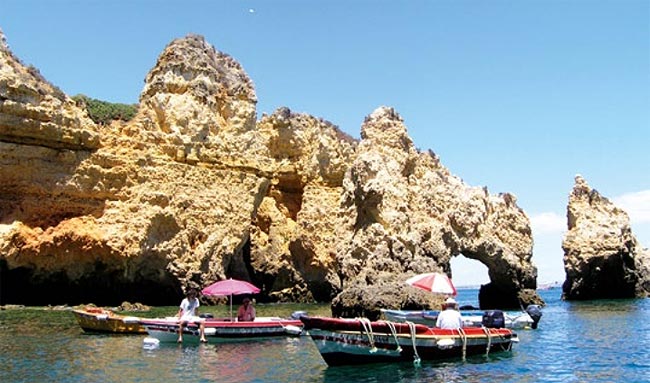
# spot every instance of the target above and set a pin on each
(246, 312)
(449, 317)
(188, 312)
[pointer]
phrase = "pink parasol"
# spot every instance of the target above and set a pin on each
(230, 287)
(433, 282)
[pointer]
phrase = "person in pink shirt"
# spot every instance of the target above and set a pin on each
(246, 312)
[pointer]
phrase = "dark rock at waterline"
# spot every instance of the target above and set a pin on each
(602, 258)
(367, 301)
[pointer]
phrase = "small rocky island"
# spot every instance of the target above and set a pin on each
(602, 259)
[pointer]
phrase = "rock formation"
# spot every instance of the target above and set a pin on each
(404, 214)
(194, 189)
(191, 190)
(602, 258)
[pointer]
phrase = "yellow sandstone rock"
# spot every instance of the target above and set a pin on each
(193, 189)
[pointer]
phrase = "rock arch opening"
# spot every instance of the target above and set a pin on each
(467, 272)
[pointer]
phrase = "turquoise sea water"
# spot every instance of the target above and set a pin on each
(597, 341)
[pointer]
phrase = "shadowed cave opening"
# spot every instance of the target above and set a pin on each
(22, 286)
(603, 278)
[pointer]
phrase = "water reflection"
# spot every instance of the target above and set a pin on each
(576, 342)
(475, 369)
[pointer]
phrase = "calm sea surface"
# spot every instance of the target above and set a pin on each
(598, 341)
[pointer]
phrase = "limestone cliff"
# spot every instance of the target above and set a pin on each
(602, 258)
(191, 190)
(403, 213)
(194, 190)
(35, 112)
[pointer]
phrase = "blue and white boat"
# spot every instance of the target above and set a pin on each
(471, 318)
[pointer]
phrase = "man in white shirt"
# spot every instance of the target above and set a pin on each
(188, 311)
(449, 317)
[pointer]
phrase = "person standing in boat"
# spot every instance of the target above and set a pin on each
(188, 312)
(246, 312)
(449, 317)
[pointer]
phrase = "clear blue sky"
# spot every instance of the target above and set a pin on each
(516, 95)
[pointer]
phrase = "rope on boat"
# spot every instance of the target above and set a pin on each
(489, 340)
(367, 328)
(506, 348)
(463, 337)
(416, 357)
(501, 342)
(393, 331)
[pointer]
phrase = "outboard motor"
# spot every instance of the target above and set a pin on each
(535, 312)
(494, 319)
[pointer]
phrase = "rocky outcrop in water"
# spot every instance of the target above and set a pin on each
(602, 258)
(404, 214)
(194, 190)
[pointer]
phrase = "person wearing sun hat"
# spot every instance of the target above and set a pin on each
(449, 317)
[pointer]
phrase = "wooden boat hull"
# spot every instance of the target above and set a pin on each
(98, 320)
(349, 341)
(166, 330)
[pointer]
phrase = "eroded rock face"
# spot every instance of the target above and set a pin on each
(293, 241)
(403, 213)
(602, 258)
(33, 111)
(194, 190)
(190, 191)
(198, 104)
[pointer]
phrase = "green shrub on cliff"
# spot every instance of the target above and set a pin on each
(103, 112)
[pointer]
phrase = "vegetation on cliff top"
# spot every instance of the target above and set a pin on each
(103, 112)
